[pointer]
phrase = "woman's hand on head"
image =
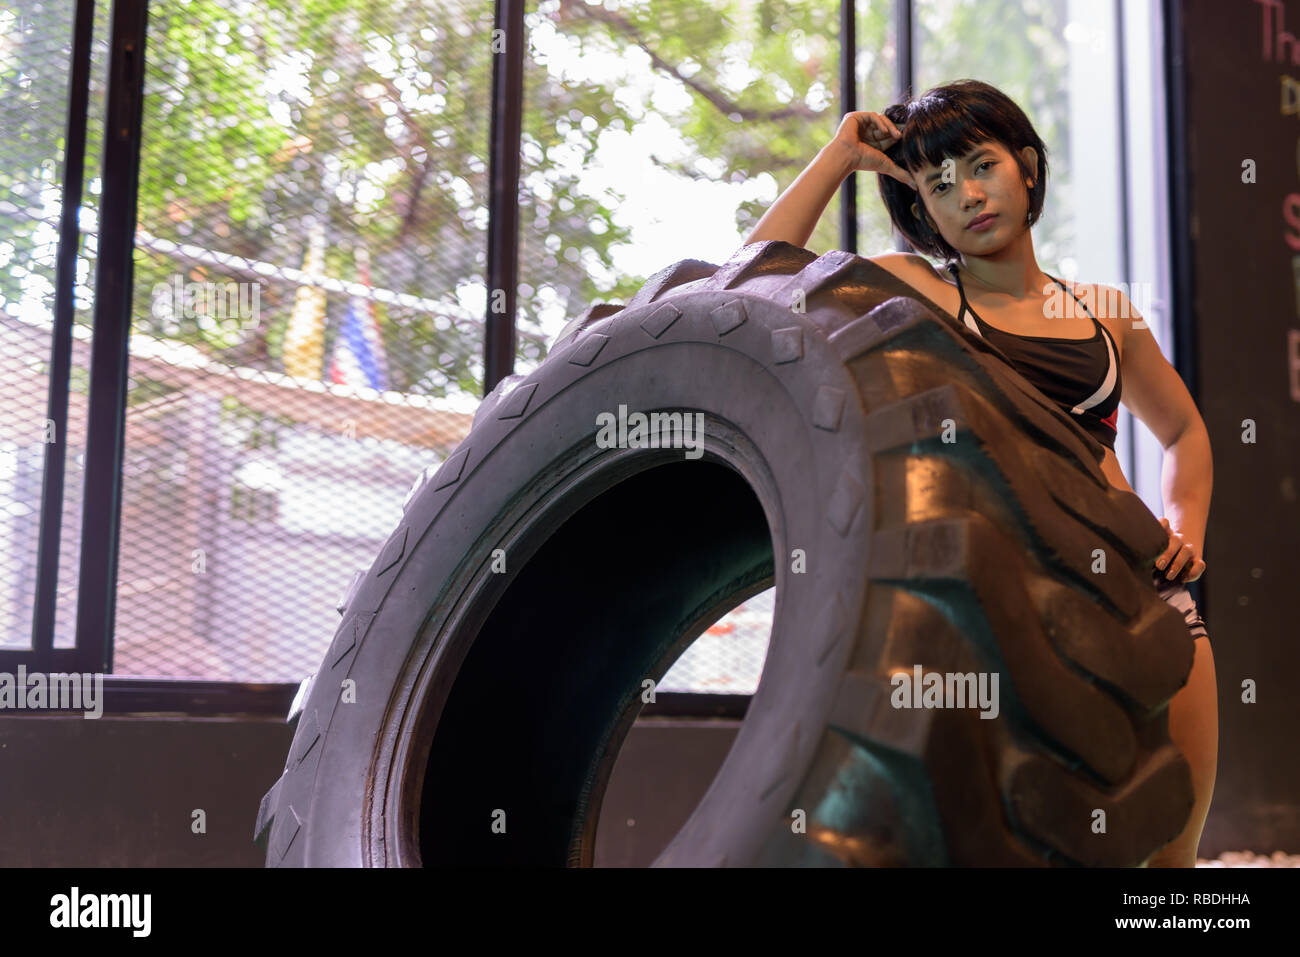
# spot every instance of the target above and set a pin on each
(866, 135)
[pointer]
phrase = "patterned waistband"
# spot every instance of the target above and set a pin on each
(1177, 595)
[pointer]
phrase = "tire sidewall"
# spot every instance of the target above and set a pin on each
(806, 425)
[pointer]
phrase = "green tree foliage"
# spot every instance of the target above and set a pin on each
(373, 119)
(35, 49)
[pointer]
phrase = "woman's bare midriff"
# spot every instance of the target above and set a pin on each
(1110, 466)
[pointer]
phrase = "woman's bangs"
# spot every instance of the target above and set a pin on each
(946, 132)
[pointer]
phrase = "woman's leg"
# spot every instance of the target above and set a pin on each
(1194, 728)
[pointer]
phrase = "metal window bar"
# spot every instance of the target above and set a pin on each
(96, 591)
(848, 103)
(499, 341)
(904, 74)
(1182, 278)
(51, 527)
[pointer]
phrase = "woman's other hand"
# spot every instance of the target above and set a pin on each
(1180, 556)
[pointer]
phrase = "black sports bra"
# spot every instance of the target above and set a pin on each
(1081, 375)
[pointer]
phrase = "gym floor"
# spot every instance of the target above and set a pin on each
(1250, 859)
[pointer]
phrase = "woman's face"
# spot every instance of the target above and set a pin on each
(986, 184)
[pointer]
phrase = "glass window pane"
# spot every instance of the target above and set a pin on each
(1023, 50)
(660, 133)
(656, 133)
(1059, 60)
(877, 55)
(309, 302)
(35, 66)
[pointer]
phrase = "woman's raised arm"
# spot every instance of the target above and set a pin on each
(857, 145)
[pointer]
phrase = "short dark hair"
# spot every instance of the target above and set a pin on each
(946, 121)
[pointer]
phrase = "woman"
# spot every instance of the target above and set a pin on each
(964, 180)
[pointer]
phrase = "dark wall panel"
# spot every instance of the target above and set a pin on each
(1239, 79)
(120, 792)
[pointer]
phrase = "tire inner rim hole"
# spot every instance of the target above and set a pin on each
(539, 706)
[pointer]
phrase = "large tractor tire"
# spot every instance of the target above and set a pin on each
(915, 502)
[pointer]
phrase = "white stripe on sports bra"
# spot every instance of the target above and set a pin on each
(1103, 390)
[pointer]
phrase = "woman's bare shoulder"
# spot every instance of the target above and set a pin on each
(912, 269)
(1104, 300)
(1110, 305)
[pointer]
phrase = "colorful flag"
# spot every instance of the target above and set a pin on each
(304, 340)
(358, 358)
(358, 354)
